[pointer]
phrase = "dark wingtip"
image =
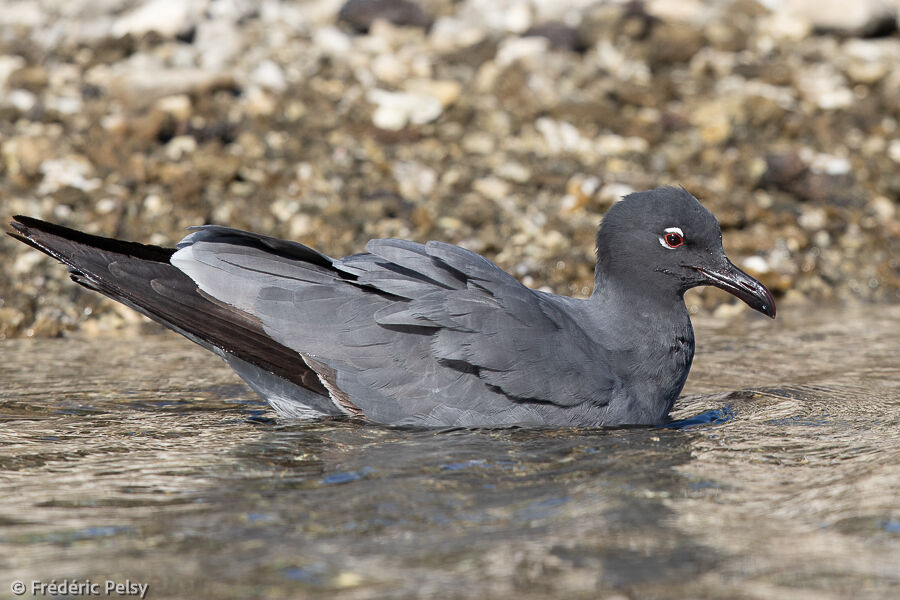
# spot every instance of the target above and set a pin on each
(46, 236)
(16, 236)
(20, 222)
(23, 225)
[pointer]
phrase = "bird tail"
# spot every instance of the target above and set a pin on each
(141, 277)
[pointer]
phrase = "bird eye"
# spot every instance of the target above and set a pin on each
(672, 238)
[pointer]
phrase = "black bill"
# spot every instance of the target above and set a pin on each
(736, 282)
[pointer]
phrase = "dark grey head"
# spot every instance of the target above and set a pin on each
(665, 242)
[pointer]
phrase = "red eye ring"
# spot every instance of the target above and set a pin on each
(673, 240)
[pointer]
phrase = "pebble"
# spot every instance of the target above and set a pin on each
(478, 142)
(482, 128)
(165, 17)
(756, 264)
(526, 49)
(178, 106)
(832, 165)
(893, 150)
(415, 179)
(332, 41)
(860, 17)
(559, 36)
(492, 188)
(269, 75)
(217, 44)
(813, 218)
(361, 14)
(72, 171)
(823, 85)
(613, 192)
(397, 109)
(180, 146)
(9, 64)
(447, 92)
(21, 100)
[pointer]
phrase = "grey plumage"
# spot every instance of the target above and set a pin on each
(433, 334)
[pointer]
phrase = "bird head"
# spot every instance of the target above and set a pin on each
(664, 241)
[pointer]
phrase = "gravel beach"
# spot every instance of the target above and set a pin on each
(507, 127)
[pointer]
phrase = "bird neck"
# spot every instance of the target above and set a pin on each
(647, 333)
(641, 299)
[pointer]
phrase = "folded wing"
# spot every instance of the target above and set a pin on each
(410, 333)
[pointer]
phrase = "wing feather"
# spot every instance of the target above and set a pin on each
(431, 333)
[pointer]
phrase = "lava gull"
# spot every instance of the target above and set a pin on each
(431, 334)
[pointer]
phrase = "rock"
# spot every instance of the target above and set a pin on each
(864, 18)
(612, 192)
(72, 171)
(168, 18)
(360, 14)
(823, 85)
(527, 49)
(812, 218)
(262, 118)
(884, 210)
(447, 92)
(492, 188)
(32, 78)
(269, 75)
(178, 106)
(450, 33)
(784, 26)
(869, 61)
(415, 179)
(728, 310)
(396, 109)
(332, 41)
(611, 144)
(504, 16)
(514, 171)
(180, 146)
(141, 81)
(580, 190)
(559, 35)
(24, 14)
(894, 151)
(67, 105)
(388, 68)
(830, 164)
(714, 119)
(606, 21)
(9, 64)
(830, 181)
(783, 169)
(756, 264)
(24, 154)
(21, 100)
(686, 11)
(11, 320)
(217, 44)
(478, 142)
(672, 43)
(560, 136)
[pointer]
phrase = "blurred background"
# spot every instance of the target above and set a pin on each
(507, 127)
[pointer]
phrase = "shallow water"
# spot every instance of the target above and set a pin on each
(146, 460)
